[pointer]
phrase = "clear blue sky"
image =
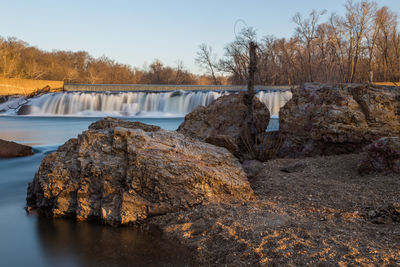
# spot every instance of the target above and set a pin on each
(135, 32)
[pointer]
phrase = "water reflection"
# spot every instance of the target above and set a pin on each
(91, 244)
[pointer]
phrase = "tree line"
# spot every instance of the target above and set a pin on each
(20, 60)
(361, 46)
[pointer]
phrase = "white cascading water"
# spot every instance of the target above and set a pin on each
(274, 100)
(155, 104)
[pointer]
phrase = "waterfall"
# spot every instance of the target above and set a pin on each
(155, 104)
(274, 100)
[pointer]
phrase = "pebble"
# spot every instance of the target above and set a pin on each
(372, 213)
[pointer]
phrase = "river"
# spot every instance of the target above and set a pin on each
(26, 240)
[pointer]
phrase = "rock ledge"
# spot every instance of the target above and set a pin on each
(11, 149)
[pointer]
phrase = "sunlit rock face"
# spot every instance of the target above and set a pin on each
(334, 119)
(124, 172)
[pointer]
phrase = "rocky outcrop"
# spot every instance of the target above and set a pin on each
(382, 156)
(109, 123)
(11, 149)
(24, 110)
(387, 214)
(336, 119)
(3, 99)
(123, 172)
(222, 123)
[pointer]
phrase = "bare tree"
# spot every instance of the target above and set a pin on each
(359, 16)
(10, 56)
(306, 31)
(386, 27)
(179, 72)
(236, 58)
(207, 60)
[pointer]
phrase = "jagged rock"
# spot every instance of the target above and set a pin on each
(177, 93)
(336, 119)
(297, 167)
(382, 156)
(122, 173)
(222, 123)
(24, 110)
(252, 167)
(109, 122)
(11, 149)
(3, 99)
(38, 91)
(385, 214)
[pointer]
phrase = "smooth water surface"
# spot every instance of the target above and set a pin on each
(27, 240)
(57, 130)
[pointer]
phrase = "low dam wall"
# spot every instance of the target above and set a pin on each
(136, 103)
(15, 86)
(163, 87)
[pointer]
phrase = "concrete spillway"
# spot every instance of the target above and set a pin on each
(155, 104)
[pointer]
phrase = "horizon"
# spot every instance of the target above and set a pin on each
(65, 27)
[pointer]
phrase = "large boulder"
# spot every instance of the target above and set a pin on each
(123, 172)
(222, 123)
(382, 156)
(336, 119)
(11, 149)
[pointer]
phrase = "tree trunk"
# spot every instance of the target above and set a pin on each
(213, 76)
(252, 70)
(251, 129)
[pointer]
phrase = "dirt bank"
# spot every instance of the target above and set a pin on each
(324, 213)
(14, 86)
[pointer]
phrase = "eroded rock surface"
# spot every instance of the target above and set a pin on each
(222, 123)
(122, 172)
(382, 156)
(11, 149)
(336, 119)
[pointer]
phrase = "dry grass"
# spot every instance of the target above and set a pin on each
(25, 86)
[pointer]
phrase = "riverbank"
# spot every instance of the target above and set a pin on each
(318, 215)
(15, 86)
